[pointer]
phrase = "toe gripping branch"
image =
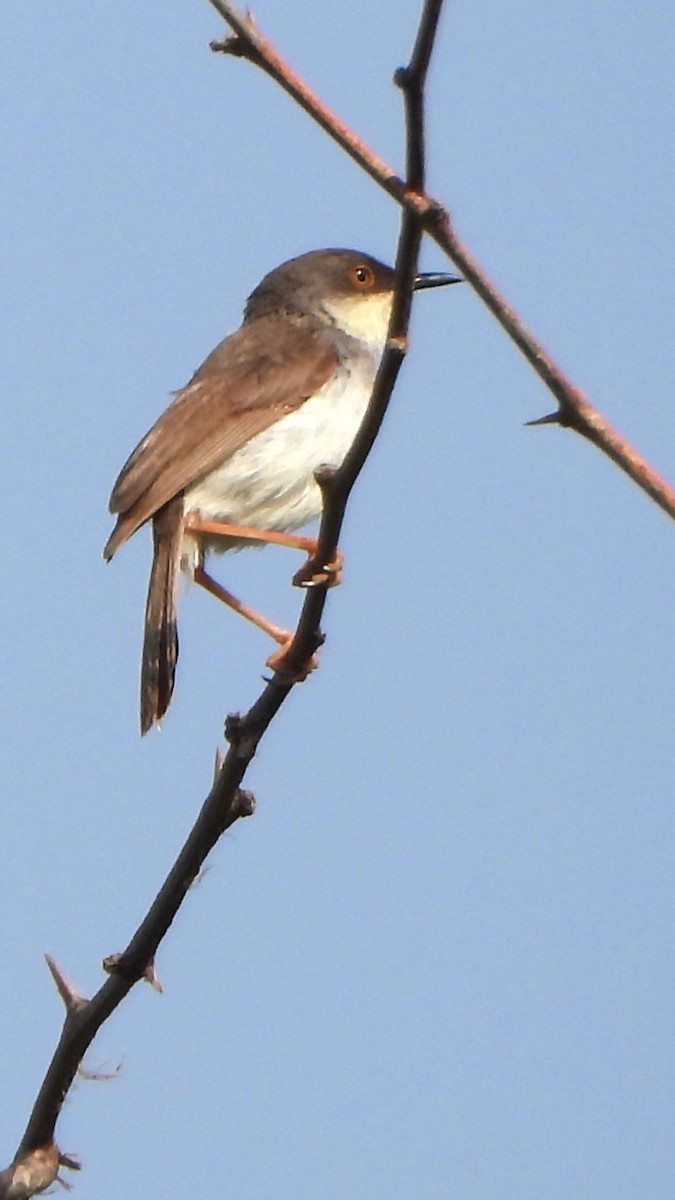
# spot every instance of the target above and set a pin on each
(312, 574)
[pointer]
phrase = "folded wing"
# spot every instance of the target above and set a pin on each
(255, 377)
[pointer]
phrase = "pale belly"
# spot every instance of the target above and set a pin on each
(269, 483)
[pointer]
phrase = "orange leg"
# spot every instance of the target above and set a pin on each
(276, 661)
(309, 575)
(194, 524)
(282, 636)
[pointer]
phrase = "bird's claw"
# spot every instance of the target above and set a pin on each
(291, 672)
(311, 575)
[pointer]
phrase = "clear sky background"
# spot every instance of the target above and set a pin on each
(438, 961)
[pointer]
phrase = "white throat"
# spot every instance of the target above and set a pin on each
(365, 318)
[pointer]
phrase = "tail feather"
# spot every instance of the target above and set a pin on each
(160, 643)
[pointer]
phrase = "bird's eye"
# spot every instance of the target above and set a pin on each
(362, 277)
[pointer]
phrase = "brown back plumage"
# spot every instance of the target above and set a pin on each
(246, 384)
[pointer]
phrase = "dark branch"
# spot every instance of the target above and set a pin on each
(222, 807)
(37, 1160)
(336, 485)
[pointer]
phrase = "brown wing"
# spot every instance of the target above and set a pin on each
(251, 380)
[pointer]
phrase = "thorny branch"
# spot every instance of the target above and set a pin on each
(574, 410)
(36, 1163)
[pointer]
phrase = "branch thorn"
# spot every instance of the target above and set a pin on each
(549, 419)
(218, 763)
(72, 999)
(69, 1161)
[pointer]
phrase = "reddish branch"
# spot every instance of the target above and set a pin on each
(36, 1163)
(574, 410)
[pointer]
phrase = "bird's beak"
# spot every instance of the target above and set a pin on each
(429, 279)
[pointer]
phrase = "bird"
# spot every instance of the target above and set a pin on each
(231, 462)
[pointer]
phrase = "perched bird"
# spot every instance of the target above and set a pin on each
(231, 461)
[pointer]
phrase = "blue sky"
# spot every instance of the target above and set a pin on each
(438, 961)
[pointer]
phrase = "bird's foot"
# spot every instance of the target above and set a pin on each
(312, 574)
(291, 672)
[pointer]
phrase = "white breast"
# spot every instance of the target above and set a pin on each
(269, 483)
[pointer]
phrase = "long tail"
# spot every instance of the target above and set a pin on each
(160, 643)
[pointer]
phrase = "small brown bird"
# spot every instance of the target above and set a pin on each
(232, 460)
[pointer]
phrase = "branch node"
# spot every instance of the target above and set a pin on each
(229, 45)
(234, 728)
(32, 1173)
(237, 47)
(242, 734)
(116, 964)
(401, 78)
(398, 343)
(437, 218)
(325, 476)
(245, 802)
